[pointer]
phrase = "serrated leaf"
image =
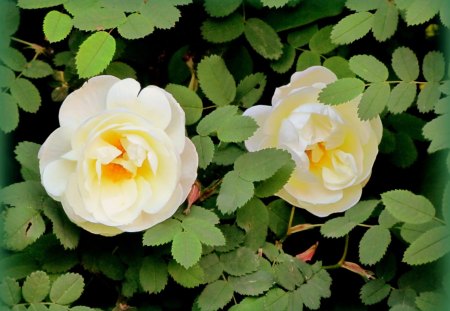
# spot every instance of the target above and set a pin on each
(307, 59)
(65, 231)
(405, 64)
(22, 227)
(433, 66)
(120, 70)
(418, 12)
(7, 76)
(136, 26)
(212, 121)
(236, 129)
(162, 13)
(223, 30)
(216, 81)
(215, 296)
(98, 18)
(234, 192)
(336, 227)
(221, 8)
(9, 113)
(206, 232)
(36, 287)
(301, 37)
(9, 17)
(273, 184)
(203, 214)
(262, 164)
(361, 211)
(385, 21)
(374, 100)
(186, 249)
(37, 69)
(38, 4)
(205, 149)
(405, 153)
(227, 155)
(212, 267)
(23, 194)
(279, 213)
(161, 233)
(240, 261)
(10, 292)
(316, 288)
(13, 59)
(401, 98)
(402, 299)
(369, 68)
(429, 247)
(358, 5)
(430, 301)
(374, 244)
(352, 27)
(36, 307)
(95, 53)
(274, 3)
(408, 207)
(276, 299)
(252, 284)
(153, 275)
(339, 66)
(189, 278)
(433, 131)
(285, 62)
(255, 227)
(263, 39)
(410, 232)
(321, 42)
(189, 101)
(374, 291)
(17, 266)
(341, 91)
(287, 274)
(234, 237)
(67, 288)
(250, 89)
(26, 94)
(57, 26)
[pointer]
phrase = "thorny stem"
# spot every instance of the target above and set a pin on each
(344, 255)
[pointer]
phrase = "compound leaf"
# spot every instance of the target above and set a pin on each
(352, 27)
(408, 207)
(67, 288)
(95, 53)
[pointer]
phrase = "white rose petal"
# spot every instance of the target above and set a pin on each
(120, 160)
(333, 149)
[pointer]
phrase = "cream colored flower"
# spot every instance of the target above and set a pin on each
(333, 149)
(120, 160)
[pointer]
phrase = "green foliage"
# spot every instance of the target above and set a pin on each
(189, 278)
(186, 248)
(31, 4)
(320, 42)
(215, 295)
(221, 8)
(352, 27)
(252, 284)
(36, 287)
(374, 291)
(223, 30)
(255, 227)
(153, 274)
(263, 39)
(341, 91)
(306, 60)
(26, 94)
(405, 64)
(250, 89)
(205, 150)
(37, 69)
(433, 131)
(374, 100)
(374, 244)
(67, 288)
(189, 101)
(9, 113)
(430, 246)
(234, 192)
(368, 68)
(162, 233)
(240, 261)
(402, 97)
(57, 26)
(285, 62)
(136, 26)
(10, 293)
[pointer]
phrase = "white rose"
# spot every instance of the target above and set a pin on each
(120, 160)
(333, 149)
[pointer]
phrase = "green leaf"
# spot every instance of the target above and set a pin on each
(339, 66)
(374, 291)
(276, 299)
(189, 278)
(352, 27)
(433, 66)
(240, 261)
(249, 304)
(336, 227)
(205, 150)
(57, 26)
(418, 12)
(221, 8)
(67, 288)
(37, 69)
(200, 213)
(161, 233)
(216, 81)
(17, 266)
(369, 68)
(402, 97)
(212, 267)
(321, 41)
(189, 101)
(23, 226)
(385, 21)
(186, 249)
(402, 299)
(227, 154)
(205, 231)
(263, 39)
(433, 131)
(234, 237)
(223, 30)
(317, 287)
(236, 129)
(374, 244)
(306, 60)
(262, 164)
(36, 287)
(65, 231)
(13, 59)
(162, 13)
(405, 64)
(295, 302)
(9, 113)
(279, 213)
(98, 19)
(410, 232)
(255, 227)
(428, 97)
(210, 123)
(430, 301)
(7, 76)
(136, 26)
(10, 292)
(120, 70)
(273, 184)
(287, 274)
(285, 62)
(274, 3)
(26, 95)
(374, 100)
(408, 207)
(234, 192)
(250, 89)
(341, 91)
(358, 5)
(9, 17)
(24, 194)
(301, 37)
(39, 4)
(95, 53)
(361, 211)
(153, 274)
(252, 284)
(405, 153)
(429, 247)
(215, 296)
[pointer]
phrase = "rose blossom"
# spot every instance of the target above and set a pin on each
(333, 149)
(120, 160)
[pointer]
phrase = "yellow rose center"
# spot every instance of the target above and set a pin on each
(115, 172)
(318, 155)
